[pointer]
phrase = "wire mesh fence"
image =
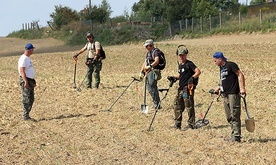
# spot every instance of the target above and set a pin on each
(223, 21)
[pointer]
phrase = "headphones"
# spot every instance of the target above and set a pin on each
(185, 50)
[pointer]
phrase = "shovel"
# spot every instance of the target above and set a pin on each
(249, 122)
(144, 107)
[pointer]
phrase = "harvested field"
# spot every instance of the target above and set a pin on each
(72, 129)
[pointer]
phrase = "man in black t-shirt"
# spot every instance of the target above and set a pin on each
(232, 84)
(188, 79)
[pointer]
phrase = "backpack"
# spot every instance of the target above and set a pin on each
(162, 59)
(102, 52)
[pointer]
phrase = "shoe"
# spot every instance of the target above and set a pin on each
(233, 139)
(29, 118)
(155, 107)
(175, 127)
(187, 127)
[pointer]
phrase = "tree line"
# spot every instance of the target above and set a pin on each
(170, 10)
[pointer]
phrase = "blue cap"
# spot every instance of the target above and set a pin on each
(29, 46)
(219, 55)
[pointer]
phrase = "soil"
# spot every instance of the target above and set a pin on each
(71, 127)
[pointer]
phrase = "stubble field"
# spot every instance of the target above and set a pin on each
(71, 127)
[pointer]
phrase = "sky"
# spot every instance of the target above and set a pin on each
(14, 13)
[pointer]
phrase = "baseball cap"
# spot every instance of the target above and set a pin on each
(29, 46)
(89, 35)
(219, 55)
(148, 42)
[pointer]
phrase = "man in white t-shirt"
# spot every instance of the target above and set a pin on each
(27, 80)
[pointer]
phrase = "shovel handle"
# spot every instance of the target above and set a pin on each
(245, 106)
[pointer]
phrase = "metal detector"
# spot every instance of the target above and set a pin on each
(203, 122)
(75, 70)
(172, 80)
(79, 88)
(133, 79)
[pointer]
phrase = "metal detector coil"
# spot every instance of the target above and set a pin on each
(203, 122)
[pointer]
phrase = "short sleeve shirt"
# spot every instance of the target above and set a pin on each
(92, 49)
(26, 62)
(229, 79)
(186, 71)
(151, 56)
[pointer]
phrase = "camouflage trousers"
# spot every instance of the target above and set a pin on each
(94, 69)
(184, 100)
(232, 108)
(27, 98)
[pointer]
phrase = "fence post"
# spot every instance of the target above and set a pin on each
(186, 20)
(91, 24)
(192, 25)
(220, 20)
(80, 23)
(210, 18)
(260, 16)
(201, 25)
(239, 17)
(180, 25)
(170, 29)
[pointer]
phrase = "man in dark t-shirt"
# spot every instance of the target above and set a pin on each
(188, 75)
(232, 84)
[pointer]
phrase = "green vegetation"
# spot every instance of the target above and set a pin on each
(155, 19)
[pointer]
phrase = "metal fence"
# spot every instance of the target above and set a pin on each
(197, 25)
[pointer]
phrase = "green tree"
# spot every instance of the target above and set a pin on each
(146, 9)
(256, 2)
(63, 16)
(203, 8)
(99, 13)
(177, 9)
(226, 6)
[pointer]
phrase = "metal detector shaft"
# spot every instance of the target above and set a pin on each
(210, 107)
(134, 79)
(156, 109)
(75, 70)
(79, 88)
